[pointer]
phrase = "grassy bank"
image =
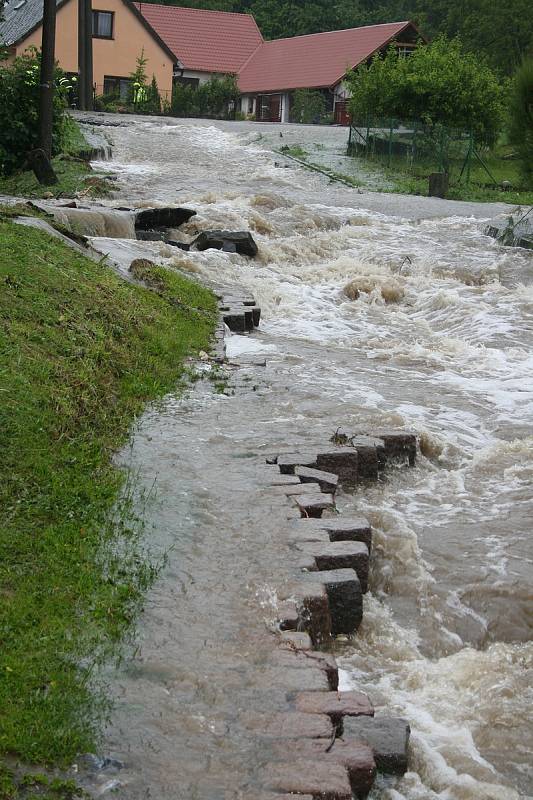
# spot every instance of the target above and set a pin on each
(375, 174)
(74, 175)
(81, 353)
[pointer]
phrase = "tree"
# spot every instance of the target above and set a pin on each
(153, 98)
(521, 128)
(437, 84)
(139, 79)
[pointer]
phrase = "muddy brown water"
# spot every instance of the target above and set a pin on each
(446, 638)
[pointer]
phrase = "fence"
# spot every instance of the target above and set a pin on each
(418, 149)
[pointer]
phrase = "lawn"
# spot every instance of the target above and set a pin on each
(74, 174)
(81, 354)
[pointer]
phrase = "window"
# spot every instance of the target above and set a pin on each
(193, 82)
(118, 86)
(103, 24)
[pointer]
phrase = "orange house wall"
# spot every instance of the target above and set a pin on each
(115, 57)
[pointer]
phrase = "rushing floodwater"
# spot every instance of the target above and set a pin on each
(447, 634)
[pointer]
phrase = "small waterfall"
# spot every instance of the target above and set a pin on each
(95, 221)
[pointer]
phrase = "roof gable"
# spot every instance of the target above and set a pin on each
(205, 41)
(22, 17)
(316, 60)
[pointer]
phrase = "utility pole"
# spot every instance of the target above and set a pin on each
(82, 38)
(89, 55)
(46, 88)
(85, 55)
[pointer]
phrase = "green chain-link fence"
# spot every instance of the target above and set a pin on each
(417, 148)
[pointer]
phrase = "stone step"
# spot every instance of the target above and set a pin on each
(322, 661)
(387, 736)
(342, 461)
(336, 705)
(339, 529)
(397, 443)
(305, 607)
(345, 599)
(356, 757)
(340, 555)
(287, 462)
(288, 725)
(327, 481)
(313, 504)
(235, 319)
(326, 780)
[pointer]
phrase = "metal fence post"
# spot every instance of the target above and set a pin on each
(390, 141)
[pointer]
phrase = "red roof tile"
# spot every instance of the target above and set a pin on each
(207, 41)
(315, 60)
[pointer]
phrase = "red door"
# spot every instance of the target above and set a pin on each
(268, 108)
(342, 116)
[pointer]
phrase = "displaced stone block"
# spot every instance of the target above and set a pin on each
(335, 704)
(235, 320)
(327, 481)
(340, 555)
(314, 612)
(345, 599)
(289, 461)
(342, 461)
(398, 443)
(387, 736)
(313, 505)
(154, 218)
(324, 780)
(289, 725)
(367, 461)
(243, 241)
(355, 756)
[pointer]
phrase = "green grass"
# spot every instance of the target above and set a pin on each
(414, 178)
(81, 353)
(74, 176)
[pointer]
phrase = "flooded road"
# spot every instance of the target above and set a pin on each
(447, 634)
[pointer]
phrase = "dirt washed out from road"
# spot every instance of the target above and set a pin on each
(446, 639)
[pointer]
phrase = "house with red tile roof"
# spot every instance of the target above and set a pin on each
(205, 43)
(316, 61)
(190, 45)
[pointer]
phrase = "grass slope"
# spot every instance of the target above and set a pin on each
(81, 353)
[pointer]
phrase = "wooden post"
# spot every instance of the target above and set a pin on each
(46, 88)
(438, 184)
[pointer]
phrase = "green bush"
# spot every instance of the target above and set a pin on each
(19, 101)
(438, 84)
(308, 106)
(521, 127)
(217, 97)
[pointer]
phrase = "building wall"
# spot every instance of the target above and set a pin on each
(114, 57)
(202, 77)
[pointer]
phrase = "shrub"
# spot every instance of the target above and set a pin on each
(308, 106)
(438, 84)
(521, 109)
(19, 101)
(217, 97)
